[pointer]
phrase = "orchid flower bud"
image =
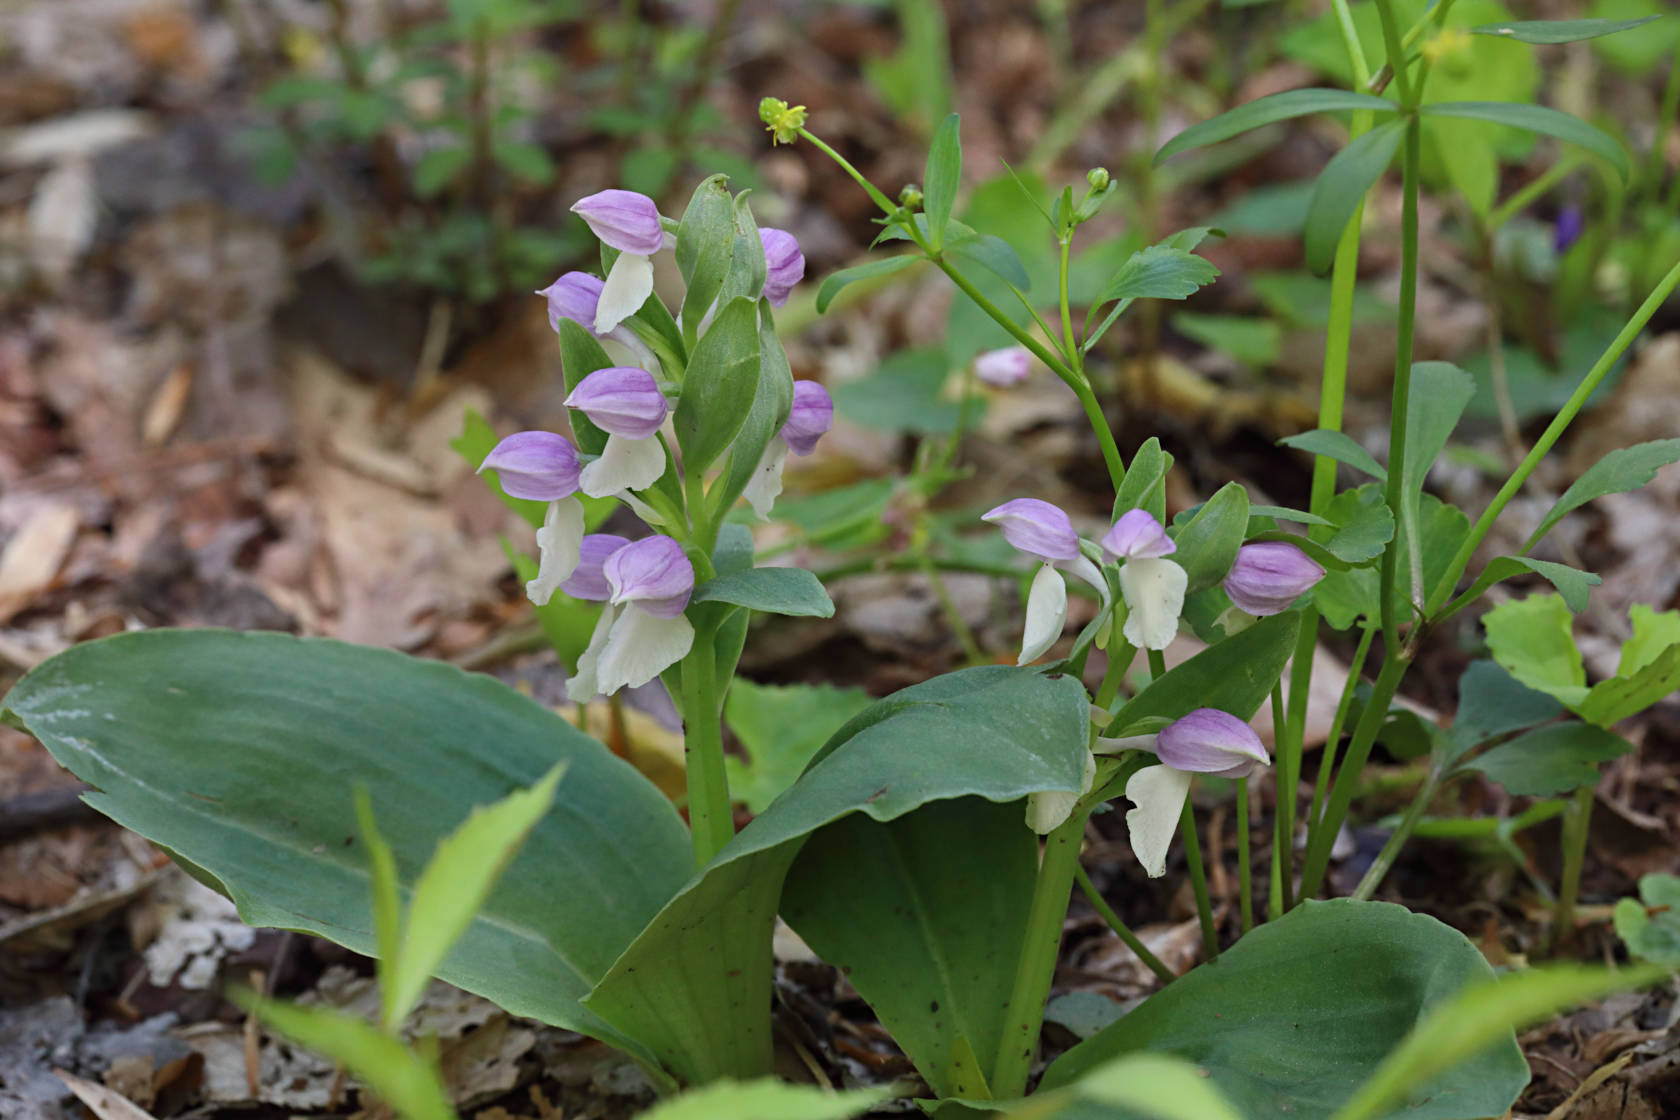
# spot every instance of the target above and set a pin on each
(573, 296)
(1005, 367)
(653, 573)
(588, 581)
(540, 466)
(1137, 535)
(784, 264)
(625, 220)
(1209, 741)
(621, 401)
(1269, 576)
(1036, 528)
(812, 415)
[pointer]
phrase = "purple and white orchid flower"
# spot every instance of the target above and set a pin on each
(1268, 576)
(784, 264)
(810, 418)
(543, 467)
(625, 402)
(628, 222)
(1205, 741)
(1003, 368)
(576, 296)
(1152, 585)
(646, 586)
(1044, 532)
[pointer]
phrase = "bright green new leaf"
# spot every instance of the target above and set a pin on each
(705, 238)
(1304, 1008)
(1208, 542)
(1145, 484)
(1550, 760)
(1269, 110)
(1159, 272)
(944, 175)
(454, 886)
(768, 1099)
(1477, 1022)
(1626, 468)
(1341, 188)
(1156, 1086)
(1533, 639)
(881, 266)
(201, 740)
(696, 984)
(1619, 697)
(1235, 675)
(387, 901)
(397, 1075)
(1539, 119)
(1650, 924)
(720, 386)
(781, 728)
(1653, 632)
(791, 591)
(1338, 446)
(1551, 32)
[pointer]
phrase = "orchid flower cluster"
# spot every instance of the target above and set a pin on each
(647, 584)
(1265, 578)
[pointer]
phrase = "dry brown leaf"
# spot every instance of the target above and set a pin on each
(107, 1104)
(33, 555)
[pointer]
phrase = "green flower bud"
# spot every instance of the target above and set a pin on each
(910, 196)
(782, 121)
(1098, 178)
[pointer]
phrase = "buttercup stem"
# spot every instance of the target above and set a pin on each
(1284, 850)
(1577, 815)
(1548, 438)
(710, 816)
(1347, 777)
(1037, 965)
(1327, 757)
(1073, 352)
(1126, 936)
(1198, 880)
(1397, 839)
(1244, 879)
(1401, 403)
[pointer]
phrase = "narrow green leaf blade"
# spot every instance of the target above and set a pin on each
(1540, 119)
(1626, 468)
(1339, 446)
(1342, 186)
(834, 282)
(1551, 32)
(944, 175)
(790, 591)
(1269, 110)
(387, 903)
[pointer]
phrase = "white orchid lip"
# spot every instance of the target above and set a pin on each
(1153, 588)
(539, 466)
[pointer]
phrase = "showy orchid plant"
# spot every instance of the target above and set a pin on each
(930, 848)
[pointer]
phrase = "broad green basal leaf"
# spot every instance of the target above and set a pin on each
(1533, 639)
(1301, 1011)
(1234, 675)
(696, 985)
(238, 752)
(1550, 760)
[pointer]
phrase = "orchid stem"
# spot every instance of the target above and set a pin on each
(1126, 936)
(1198, 880)
(710, 815)
(1285, 816)
(1243, 877)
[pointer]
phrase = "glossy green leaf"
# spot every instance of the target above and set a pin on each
(1208, 542)
(834, 282)
(398, 1075)
(199, 740)
(792, 591)
(1539, 119)
(1551, 32)
(1152, 1086)
(705, 237)
(1159, 272)
(1654, 632)
(989, 252)
(1364, 533)
(1235, 675)
(1550, 760)
(1533, 639)
(780, 729)
(768, 1099)
(1572, 583)
(720, 386)
(944, 175)
(696, 985)
(1341, 188)
(747, 265)
(1339, 446)
(1472, 1032)
(1619, 697)
(772, 401)
(453, 887)
(1269, 110)
(1145, 484)
(580, 356)
(925, 915)
(1626, 468)
(1271, 1021)
(1492, 702)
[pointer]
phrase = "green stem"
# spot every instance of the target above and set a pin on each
(1554, 430)
(1327, 757)
(1401, 402)
(1126, 936)
(1198, 880)
(1024, 1016)
(1287, 769)
(1243, 878)
(1397, 839)
(1120, 654)
(1576, 818)
(1073, 351)
(1396, 49)
(1347, 777)
(871, 189)
(710, 816)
